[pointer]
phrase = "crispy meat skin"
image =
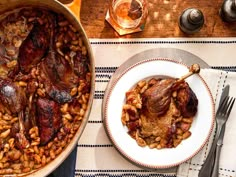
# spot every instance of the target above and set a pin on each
(33, 48)
(55, 87)
(156, 99)
(48, 119)
(11, 96)
(186, 100)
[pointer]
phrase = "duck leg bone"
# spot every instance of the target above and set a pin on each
(194, 68)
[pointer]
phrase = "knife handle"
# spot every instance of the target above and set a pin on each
(215, 170)
(206, 169)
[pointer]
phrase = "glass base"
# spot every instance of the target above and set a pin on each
(122, 31)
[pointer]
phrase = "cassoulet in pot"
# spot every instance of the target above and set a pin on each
(45, 82)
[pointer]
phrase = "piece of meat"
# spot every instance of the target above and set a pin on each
(48, 119)
(59, 77)
(51, 71)
(186, 101)
(156, 99)
(12, 96)
(14, 99)
(58, 74)
(33, 48)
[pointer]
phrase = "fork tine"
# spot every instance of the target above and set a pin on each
(223, 106)
(231, 103)
(226, 105)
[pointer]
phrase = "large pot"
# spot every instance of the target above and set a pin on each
(10, 5)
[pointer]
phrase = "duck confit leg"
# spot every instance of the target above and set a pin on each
(14, 99)
(48, 119)
(57, 73)
(33, 48)
(156, 99)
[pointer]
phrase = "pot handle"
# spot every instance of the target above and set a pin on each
(75, 7)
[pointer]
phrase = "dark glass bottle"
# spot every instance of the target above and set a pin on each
(191, 20)
(228, 11)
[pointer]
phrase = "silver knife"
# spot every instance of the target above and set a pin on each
(224, 94)
(215, 170)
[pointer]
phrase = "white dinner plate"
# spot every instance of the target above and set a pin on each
(201, 128)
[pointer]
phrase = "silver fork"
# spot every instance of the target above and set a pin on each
(215, 170)
(222, 115)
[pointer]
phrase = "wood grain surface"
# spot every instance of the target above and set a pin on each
(162, 20)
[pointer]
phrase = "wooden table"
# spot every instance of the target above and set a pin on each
(162, 20)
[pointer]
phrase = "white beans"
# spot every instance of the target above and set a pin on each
(137, 123)
(68, 44)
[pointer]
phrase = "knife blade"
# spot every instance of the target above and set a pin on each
(215, 169)
(224, 94)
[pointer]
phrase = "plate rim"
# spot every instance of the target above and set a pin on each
(121, 151)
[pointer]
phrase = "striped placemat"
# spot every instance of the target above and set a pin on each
(95, 155)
